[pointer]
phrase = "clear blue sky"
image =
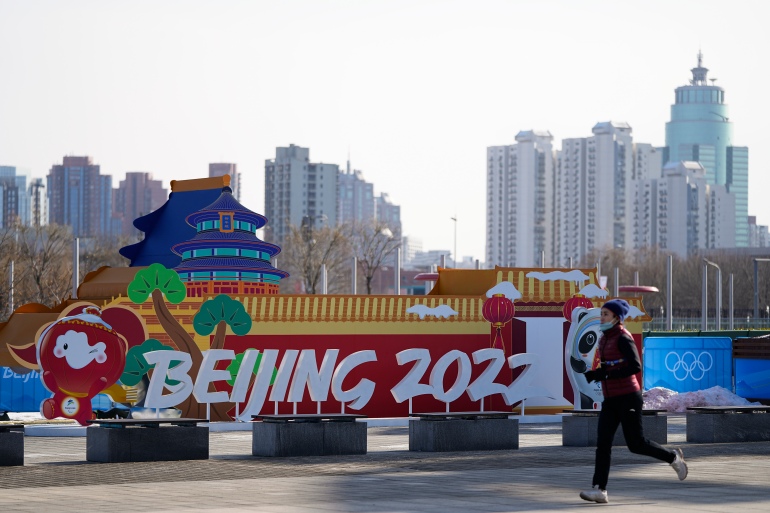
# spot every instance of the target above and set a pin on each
(415, 89)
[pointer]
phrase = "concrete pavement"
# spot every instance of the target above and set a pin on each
(540, 476)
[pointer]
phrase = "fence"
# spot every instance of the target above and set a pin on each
(693, 323)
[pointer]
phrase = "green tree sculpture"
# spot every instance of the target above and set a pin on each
(158, 282)
(235, 366)
(219, 313)
(136, 364)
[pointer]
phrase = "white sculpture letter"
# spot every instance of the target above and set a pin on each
(259, 390)
(484, 385)
(410, 386)
(363, 391)
(307, 372)
(208, 374)
(162, 360)
(463, 376)
(284, 374)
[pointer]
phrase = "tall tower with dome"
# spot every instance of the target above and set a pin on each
(700, 130)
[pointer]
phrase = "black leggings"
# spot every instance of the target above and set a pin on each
(627, 411)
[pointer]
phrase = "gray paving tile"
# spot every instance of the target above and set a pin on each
(540, 476)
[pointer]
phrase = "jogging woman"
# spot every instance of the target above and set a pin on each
(618, 365)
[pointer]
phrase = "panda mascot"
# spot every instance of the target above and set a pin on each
(580, 356)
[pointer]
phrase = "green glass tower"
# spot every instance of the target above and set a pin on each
(700, 130)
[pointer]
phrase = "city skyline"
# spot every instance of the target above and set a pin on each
(414, 91)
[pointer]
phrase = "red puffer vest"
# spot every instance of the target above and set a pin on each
(609, 352)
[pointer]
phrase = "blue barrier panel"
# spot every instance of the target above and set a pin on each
(21, 392)
(687, 364)
(752, 378)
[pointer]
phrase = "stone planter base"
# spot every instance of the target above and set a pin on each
(308, 438)
(11, 448)
(463, 435)
(170, 443)
(579, 430)
(713, 428)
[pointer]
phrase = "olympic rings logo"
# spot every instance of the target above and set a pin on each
(688, 365)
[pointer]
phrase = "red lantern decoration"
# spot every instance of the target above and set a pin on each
(576, 301)
(79, 356)
(498, 310)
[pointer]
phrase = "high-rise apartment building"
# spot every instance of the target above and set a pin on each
(14, 198)
(570, 191)
(681, 212)
(410, 247)
(520, 220)
(593, 188)
(700, 130)
(221, 169)
(355, 197)
(759, 237)
(388, 213)
(136, 196)
(297, 190)
(81, 197)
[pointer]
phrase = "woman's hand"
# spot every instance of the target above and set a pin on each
(599, 374)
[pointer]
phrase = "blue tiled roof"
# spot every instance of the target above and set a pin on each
(166, 227)
(228, 263)
(226, 203)
(217, 239)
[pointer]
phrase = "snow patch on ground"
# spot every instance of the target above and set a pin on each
(25, 416)
(660, 398)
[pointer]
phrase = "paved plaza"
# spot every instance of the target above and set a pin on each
(540, 476)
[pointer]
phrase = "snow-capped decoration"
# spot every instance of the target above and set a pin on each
(592, 290)
(505, 288)
(634, 312)
(573, 275)
(660, 398)
(441, 311)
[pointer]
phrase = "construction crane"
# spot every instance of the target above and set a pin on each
(34, 190)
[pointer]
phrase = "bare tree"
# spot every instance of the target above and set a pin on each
(44, 257)
(307, 248)
(7, 255)
(97, 252)
(373, 242)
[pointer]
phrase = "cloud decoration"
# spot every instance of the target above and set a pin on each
(441, 311)
(505, 288)
(574, 275)
(634, 312)
(593, 291)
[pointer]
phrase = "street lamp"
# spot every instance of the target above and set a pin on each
(706, 263)
(756, 284)
(455, 253)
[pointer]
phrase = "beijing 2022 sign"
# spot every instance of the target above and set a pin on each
(299, 370)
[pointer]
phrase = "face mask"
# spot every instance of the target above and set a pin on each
(607, 325)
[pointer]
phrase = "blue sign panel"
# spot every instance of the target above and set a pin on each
(687, 364)
(752, 378)
(21, 392)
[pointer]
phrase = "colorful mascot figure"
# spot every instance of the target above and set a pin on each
(580, 355)
(79, 356)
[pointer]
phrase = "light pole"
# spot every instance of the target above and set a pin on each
(756, 284)
(455, 253)
(719, 291)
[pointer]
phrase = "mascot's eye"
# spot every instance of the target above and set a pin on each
(65, 347)
(586, 342)
(583, 314)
